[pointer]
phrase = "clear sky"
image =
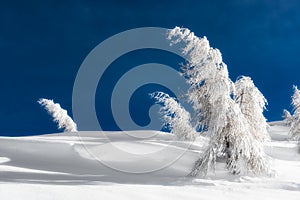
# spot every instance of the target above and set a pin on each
(43, 43)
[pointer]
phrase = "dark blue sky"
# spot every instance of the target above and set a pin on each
(43, 43)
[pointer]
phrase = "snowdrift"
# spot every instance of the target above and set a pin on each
(61, 166)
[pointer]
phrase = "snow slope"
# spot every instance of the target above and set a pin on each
(68, 166)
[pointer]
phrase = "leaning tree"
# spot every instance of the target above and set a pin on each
(175, 117)
(216, 112)
(287, 117)
(60, 115)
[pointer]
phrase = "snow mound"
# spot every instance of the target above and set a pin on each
(70, 166)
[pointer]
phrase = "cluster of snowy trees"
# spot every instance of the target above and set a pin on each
(294, 120)
(230, 114)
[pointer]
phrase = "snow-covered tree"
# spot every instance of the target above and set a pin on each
(287, 117)
(175, 117)
(294, 133)
(217, 113)
(252, 104)
(207, 76)
(243, 153)
(60, 115)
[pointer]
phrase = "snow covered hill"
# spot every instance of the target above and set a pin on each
(68, 166)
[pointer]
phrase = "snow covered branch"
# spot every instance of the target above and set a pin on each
(60, 115)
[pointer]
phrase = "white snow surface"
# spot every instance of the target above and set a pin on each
(58, 166)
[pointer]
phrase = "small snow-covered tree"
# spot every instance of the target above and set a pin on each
(252, 103)
(287, 117)
(294, 132)
(216, 112)
(60, 115)
(175, 117)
